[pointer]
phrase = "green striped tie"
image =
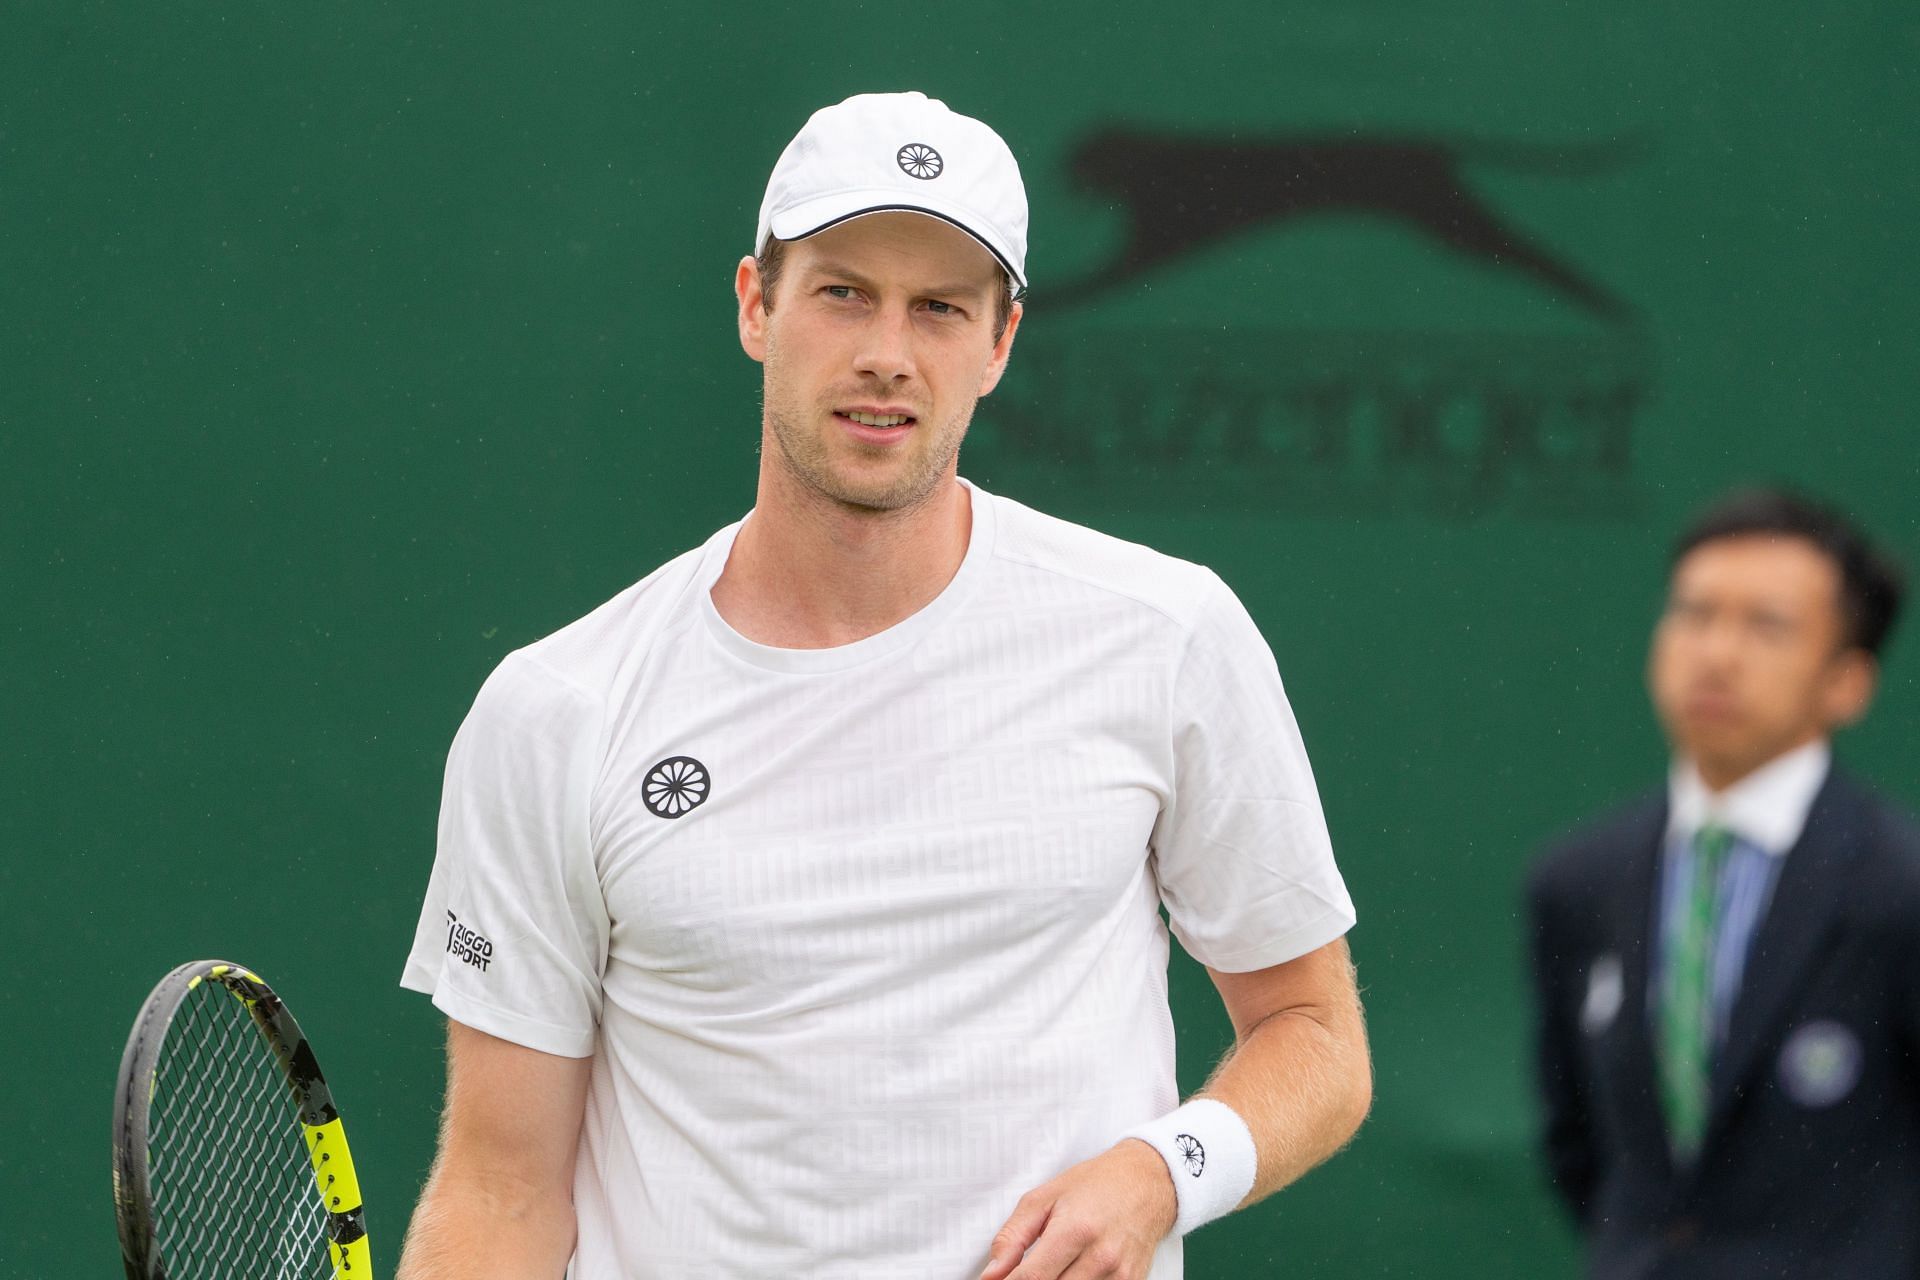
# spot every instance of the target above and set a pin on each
(1686, 1011)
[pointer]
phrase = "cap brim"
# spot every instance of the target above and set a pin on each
(815, 216)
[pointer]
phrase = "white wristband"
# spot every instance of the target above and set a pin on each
(1209, 1151)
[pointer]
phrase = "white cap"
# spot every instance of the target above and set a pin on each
(881, 152)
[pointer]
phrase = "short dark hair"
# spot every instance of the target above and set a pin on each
(1871, 583)
(773, 256)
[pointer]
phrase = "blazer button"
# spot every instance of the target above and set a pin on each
(1682, 1232)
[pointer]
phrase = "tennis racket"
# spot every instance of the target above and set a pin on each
(229, 1162)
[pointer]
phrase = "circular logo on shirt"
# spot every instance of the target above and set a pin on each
(1820, 1064)
(675, 787)
(918, 160)
(1192, 1154)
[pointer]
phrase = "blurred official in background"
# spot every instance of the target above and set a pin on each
(1728, 973)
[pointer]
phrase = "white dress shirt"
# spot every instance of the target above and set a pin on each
(1767, 808)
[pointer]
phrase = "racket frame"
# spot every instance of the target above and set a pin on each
(332, 1163)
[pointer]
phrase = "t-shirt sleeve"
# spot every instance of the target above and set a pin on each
(513, 934)
(1241, 850)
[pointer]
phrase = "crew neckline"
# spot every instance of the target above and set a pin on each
(869, 648)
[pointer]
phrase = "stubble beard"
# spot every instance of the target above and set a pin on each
(807, 459)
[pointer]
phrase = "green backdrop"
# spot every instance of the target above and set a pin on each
(344, 348)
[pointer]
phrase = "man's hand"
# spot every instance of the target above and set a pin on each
(1103, 1217)
(1300, 1078)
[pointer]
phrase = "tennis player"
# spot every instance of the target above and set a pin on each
(798, 911)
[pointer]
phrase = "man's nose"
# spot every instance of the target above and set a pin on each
(886, 349)
(1722, 644)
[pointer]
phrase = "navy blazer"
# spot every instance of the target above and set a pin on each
(1810, 1166)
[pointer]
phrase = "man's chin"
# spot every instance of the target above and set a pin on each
(878, 497)
(1718, 735)
(882, 489)
(1724, 763)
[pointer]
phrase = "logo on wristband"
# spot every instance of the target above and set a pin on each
(1192, 1154)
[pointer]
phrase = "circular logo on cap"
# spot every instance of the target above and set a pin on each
(1820, 1064)
(675, 787)
(918, 160)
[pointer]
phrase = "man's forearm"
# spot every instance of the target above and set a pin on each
(1302, 1081)
(463, 1229)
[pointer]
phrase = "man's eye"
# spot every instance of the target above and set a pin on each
(1687, 611)
(840, 290)
(940, 308)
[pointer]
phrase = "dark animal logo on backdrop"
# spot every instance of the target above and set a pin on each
(1491, 414)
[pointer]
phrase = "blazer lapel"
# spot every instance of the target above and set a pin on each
(1636, 926)
(1788, 941)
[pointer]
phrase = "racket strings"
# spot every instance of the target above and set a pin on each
(231, 1178)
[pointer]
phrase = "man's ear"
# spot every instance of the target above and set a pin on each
(997, 363)
(753, 313)
(1850, 688)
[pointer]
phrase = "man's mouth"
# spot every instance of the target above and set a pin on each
(877, 419)
(1710, 704)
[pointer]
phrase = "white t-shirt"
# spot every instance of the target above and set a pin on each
(865, 942)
